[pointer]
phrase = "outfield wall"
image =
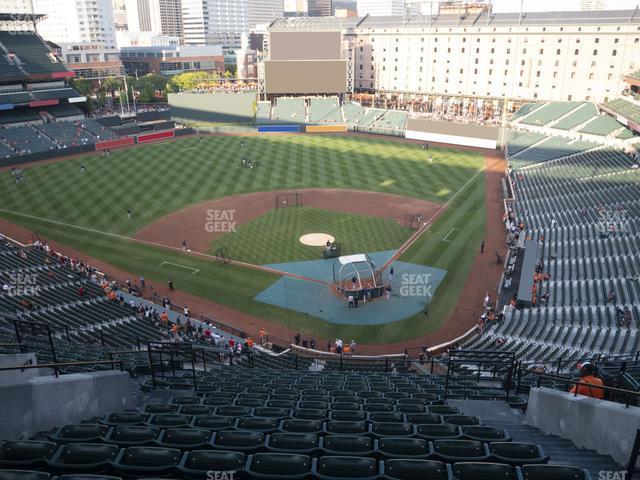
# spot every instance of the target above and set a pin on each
(279, 129)
(223, 107)
(326, 128)
(454, 133)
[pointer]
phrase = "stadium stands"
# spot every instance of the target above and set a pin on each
(67, 134)
(54, 94)
(353, 112)
(15, 97)
(324, 110)
(20, 116)
(602, 126)
(99, 131)
(289, 110)
(525, 109)
(549, 112)
(30, 53)
(522, 141)
(263, 112)
(585, 210)
(580, 115)
(624, 108)
(25, 140)
(393, 120)
(551, 148)
(63, 110)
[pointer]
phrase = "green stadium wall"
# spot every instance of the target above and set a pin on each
(215, 107)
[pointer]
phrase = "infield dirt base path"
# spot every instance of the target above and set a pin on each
(191, 221)
(484, 275)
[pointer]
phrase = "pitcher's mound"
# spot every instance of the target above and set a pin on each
(316, 239)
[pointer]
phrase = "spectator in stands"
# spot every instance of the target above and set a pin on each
(296, 339)
(612, 297)
(627, 317)
(587, 372)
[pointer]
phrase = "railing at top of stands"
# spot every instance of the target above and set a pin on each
(57, 366)
(221, 325)
(628, 395)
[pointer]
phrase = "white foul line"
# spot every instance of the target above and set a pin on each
(195, 270)
(450, 232)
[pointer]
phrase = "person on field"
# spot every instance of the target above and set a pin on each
(482, 246)
(129, 213)
(587, 372)
(170, 284)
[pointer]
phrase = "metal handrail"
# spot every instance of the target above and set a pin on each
(627, 393)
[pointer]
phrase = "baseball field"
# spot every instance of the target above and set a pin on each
(364, 191)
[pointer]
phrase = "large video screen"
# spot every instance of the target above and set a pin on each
(304, 45)
(305, 77)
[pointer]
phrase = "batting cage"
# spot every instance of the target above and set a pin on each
(222, 255)
(286, 200)
(357, 276)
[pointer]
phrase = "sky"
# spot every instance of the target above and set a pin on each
(556, 5)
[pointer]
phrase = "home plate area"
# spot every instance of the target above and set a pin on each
(412, 285)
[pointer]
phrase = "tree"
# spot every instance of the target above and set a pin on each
(192, 80)
(150, 84)
(82, 86)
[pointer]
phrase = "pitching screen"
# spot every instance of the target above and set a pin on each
(305, 77)
(305, 45)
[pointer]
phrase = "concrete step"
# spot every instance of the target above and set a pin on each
(560, 450)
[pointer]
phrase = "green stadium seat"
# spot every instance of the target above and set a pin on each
(403, 448)
(186, 400)
(335, 427)
(83, 457)
(346, 468)
(309, 414)
(443, 410)
(132, 435)
(308, 404)
(370, 394)
(233, 411)
(348, 415)
(485, 434)
(348, 445)
(218, 401)
(125, 418)
(517, 453)
(387, 417)
(278, 466)
(152, 408)
(195, 410)
(169, 420)
(185, 438)
(25, 454)
(379, 407)
(271, 412)
(438, 431)
(396, 395)
(23, 475)
(389, 429)
(213, 422)
(553, 472)
(297, 425)
(411, 469)
(305, 443)
(288, 404)
(346, 406)
(462, 420)
(411, 408)
(483, 471)
(247, 442)
(86, 433)
(258, 424)
(197, 463)
(80, 476)
(424, 418)
(146, 461)
(452, 451)
(249, 402)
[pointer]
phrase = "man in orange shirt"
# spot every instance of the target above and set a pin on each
(587, 375)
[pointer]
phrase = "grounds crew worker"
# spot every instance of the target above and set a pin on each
(587, 375)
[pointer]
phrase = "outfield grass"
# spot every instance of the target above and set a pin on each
(157, 179)
(273, 237)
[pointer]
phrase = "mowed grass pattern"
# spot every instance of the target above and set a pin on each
(158, 179)
(274, 237)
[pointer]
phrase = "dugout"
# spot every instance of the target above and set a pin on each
(352, 274)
